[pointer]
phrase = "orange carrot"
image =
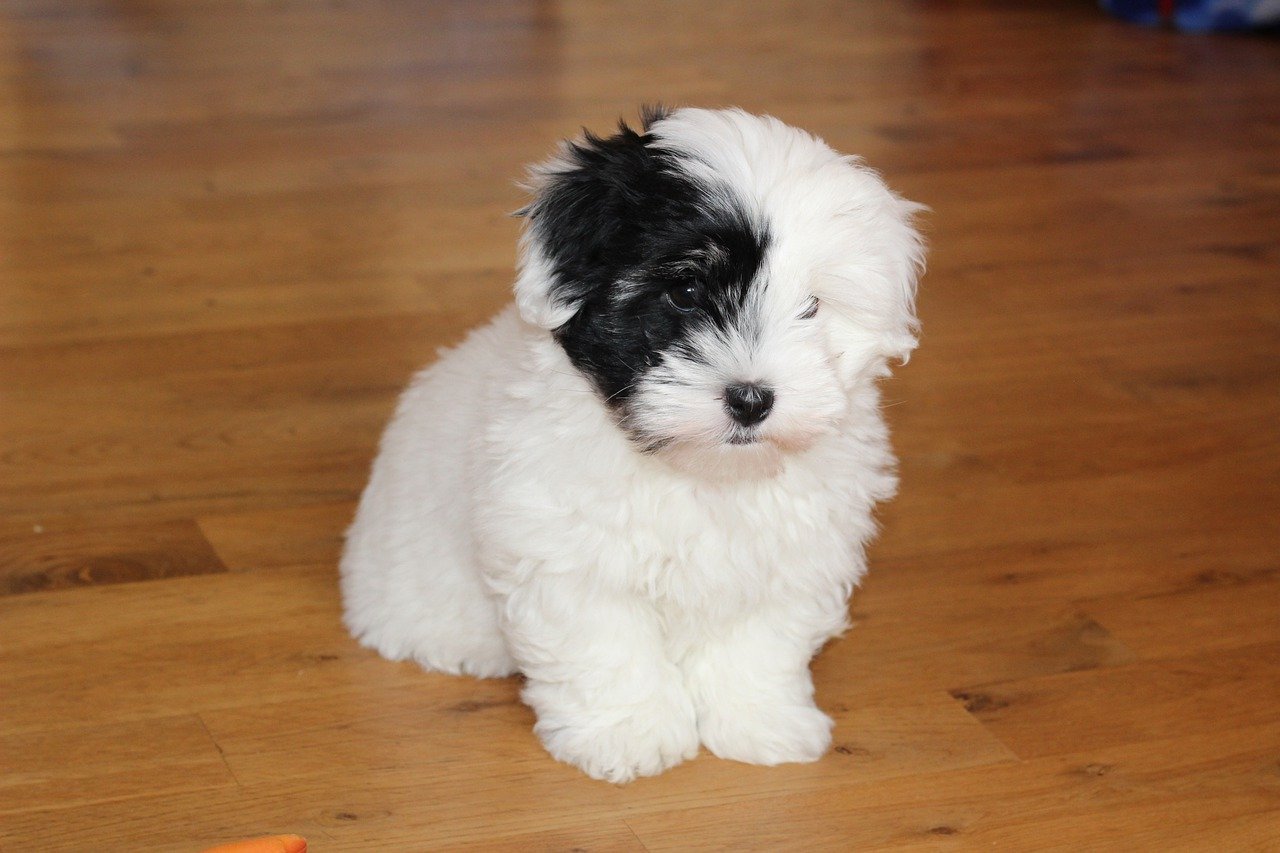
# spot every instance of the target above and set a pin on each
(271, 844)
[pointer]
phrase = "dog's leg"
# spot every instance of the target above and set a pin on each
(411, 589)
(608, 701)
(754, 694)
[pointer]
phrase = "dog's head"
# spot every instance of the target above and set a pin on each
(725, 281)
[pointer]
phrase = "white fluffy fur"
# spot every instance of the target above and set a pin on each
(655, 601)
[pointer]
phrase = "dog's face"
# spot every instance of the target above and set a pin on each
(724, 281)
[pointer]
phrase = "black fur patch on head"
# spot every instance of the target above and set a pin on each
(645, 252)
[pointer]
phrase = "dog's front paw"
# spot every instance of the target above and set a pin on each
(618, 745)
(766, 734)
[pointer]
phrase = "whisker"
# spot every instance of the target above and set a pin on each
(619, 391)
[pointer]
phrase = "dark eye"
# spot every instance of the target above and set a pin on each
(683, 297)
(810, 308)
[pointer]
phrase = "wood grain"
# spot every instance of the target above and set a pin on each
(101, 763)
(1212, 792)
(1181, 696)
(44, 560)
(290, 536)
(230, 231)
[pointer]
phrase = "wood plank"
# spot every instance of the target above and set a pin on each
(1182, 696)
(607, 837)
(1218, 609)
(79, 765)
(43, 561)
(1218, 788)
(293, 536)
(179, 646)
(889, 650)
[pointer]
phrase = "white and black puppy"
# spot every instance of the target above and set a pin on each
(648, 484)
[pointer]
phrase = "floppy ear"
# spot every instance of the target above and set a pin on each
(575, 231)
(534, 285)
(905, 261)
(872, 288)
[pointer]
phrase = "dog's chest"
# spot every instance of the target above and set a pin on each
(585, 506)
(714, 549)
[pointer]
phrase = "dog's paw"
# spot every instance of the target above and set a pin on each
(622, 745)
(766, 734)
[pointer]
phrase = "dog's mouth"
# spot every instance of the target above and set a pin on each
(742, 438)
(748, 439)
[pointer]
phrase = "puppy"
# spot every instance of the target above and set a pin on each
(648, 484)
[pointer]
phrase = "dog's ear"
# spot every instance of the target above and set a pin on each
(872, 290)
(905, 254)
(585, 203)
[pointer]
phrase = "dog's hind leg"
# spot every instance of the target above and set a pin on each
(410, 585)
(420, 600)
(434, 612)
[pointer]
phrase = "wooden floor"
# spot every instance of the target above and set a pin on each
(230, 230)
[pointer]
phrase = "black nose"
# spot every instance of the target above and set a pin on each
(748, 403)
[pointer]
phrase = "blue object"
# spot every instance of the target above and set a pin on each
(1198, 16)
